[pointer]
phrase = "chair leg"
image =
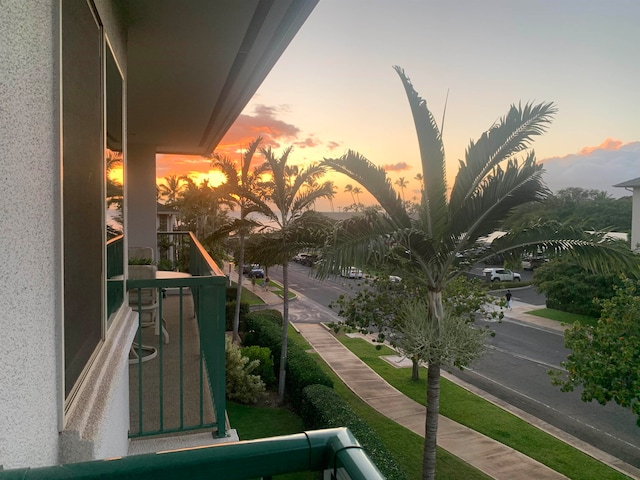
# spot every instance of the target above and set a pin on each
(136, 347)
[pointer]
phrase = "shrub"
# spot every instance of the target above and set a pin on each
(242, 384)
(265, 367)
(230, 311)
(263, 330)
(322, 407)
(231, 293)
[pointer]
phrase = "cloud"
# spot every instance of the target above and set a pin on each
(608, 144)
(333, 145)
(307, 142)
(396, 167)
(264, 122)
(597, 168)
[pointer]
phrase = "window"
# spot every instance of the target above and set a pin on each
(92, 188)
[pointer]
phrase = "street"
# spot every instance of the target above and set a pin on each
(514, 369)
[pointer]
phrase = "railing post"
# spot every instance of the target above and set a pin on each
(211, 320)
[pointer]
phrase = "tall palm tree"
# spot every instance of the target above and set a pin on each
(356, 192)
(291, 191)
(349, 188)
(172, 187)
(490, 183)
(242, 184)
(402, 183)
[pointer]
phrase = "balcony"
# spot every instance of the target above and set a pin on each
(335, 452)
(177, 379)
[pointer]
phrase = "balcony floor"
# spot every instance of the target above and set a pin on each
(165, 405)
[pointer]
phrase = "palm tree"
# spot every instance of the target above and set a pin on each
(242, 184)
(349, 188)
(402, 183)
(491, 182)
(291, 191)
(356, 192)
(172, 188)
(419, 178)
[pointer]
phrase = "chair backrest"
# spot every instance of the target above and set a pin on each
(147, 295)
(141, 252)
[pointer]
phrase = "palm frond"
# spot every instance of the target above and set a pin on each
(499, 194)
(434, 210)
(374, 180)
(591, 250)
(247, 158)
(512, 134)
(356, 241)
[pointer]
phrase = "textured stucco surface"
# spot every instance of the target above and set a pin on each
(29, 237)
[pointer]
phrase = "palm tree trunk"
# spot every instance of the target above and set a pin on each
(236, 314)
(285, 331)
(431, 423)
(436, 314)
(415, 369)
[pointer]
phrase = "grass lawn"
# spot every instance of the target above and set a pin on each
(564, 317)
(255, 422)
(476, 413)
(248, 296)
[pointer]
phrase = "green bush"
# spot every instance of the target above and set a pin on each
(231, 294)
(262, 328)
(230, 311)
(322, 407)
(242, 384)
(265, 368)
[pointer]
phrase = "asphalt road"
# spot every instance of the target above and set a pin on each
(515, 370)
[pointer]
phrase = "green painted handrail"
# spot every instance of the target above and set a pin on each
(332, 449)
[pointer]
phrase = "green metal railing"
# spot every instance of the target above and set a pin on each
(182, 388)
(334, 450)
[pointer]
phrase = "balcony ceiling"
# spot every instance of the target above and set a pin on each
(194, 65)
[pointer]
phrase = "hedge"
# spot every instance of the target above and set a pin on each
(230, 312)
(264, 328)
(321, 407)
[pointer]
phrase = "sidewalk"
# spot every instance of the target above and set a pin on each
(489, 456)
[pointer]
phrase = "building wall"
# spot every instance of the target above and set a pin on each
(34, 430)
(30, 242)
(635, 220)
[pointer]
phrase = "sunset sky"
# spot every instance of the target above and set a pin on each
(334, 88)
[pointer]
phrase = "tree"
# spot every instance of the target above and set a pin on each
(242, 184)
(402, 184)
(572, 288)
(381, 305)
(437, 245)
(172, 188)
(605, 358)
(291, 191)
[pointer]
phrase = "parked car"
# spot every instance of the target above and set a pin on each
(502, 275)
(351, 272)
(256, 272)
(530, 263)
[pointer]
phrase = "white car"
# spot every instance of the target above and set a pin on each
(502, 275)
(351, 272)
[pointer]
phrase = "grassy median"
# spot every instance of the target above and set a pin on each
(474, 412)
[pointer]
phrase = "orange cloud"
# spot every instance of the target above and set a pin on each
(396, 167)
(264, 123)
(608, 144)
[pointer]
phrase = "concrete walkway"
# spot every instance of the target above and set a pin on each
(487, 455)
(491, 457)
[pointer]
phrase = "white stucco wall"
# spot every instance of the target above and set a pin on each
(30, 276)
(635, 221)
